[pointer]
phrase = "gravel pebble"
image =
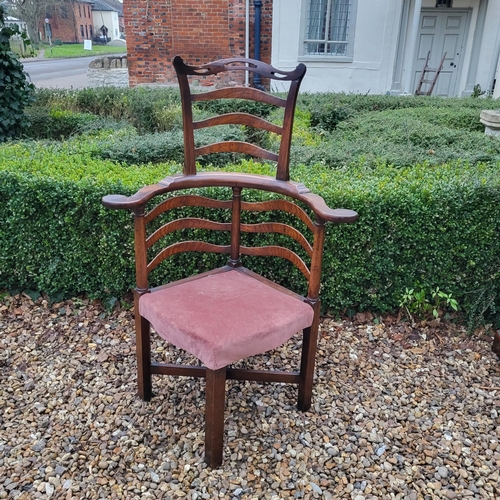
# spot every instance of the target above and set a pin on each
(401, 412)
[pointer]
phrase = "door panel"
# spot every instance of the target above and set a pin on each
(428, 22)
(441, 32)
(426, 43)
(443, 84)
(453, 22)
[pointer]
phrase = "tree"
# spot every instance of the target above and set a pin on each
(31, 11)
(15, 90)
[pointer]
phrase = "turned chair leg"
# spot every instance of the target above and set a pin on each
(143, 351)
(309, 342)
(214, 416)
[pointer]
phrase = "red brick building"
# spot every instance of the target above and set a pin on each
(199, 31)
(71, 22)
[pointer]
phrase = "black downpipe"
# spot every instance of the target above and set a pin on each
(258, 9)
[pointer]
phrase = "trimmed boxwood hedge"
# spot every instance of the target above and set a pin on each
(426, 226)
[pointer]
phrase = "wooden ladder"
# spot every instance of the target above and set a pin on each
(424, 76)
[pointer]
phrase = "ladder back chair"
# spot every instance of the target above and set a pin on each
(230, 313)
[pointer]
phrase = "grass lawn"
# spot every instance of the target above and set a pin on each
(76, 50)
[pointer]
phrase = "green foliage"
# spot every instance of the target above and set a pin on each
(220, 106)
(16, 91)
(432, 225)
(133, 149)
(403, 137)
(367, 103)
(420, 172)
(59, 124)
(437, 226)
(477, 92)
(148, 110)
(416, 303)
(328, 118)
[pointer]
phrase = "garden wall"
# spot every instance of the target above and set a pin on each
(109, 71)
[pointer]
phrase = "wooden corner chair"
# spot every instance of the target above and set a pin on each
(229, 313)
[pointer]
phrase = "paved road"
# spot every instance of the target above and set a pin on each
(59, 73)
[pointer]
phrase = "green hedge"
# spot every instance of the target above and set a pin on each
(426, 226)
(60, 124)
(402, 137)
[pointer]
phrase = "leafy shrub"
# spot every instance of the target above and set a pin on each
(168, 118)
(366, 103)
(16, 92)
(422, 226)
(144, 108)
(329, 118)
(220, 106)
(401, 138)
(133, 149)
(57, 124)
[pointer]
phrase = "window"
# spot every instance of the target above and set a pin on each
(79, 10)
(64, 12)
(329, 30)
(82, 32)
(443, 3)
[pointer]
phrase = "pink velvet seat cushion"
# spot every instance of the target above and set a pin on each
(225, 317)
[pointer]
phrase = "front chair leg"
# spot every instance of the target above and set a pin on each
(214, 416)
(143, 350)
(309, 342)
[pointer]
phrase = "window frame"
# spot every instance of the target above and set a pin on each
(348, 57)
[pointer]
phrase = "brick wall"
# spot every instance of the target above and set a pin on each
(67, 26)
(199, 31)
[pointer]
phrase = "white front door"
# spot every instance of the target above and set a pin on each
(441, 31)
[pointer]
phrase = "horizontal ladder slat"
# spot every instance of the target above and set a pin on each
(189, 200)
(283, 205)
(186, 223)
(236, 147)
(238, 119)
(186, 246)
(278, 227)
(240, 93)
(277, 251)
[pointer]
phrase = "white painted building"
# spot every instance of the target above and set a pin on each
(105, 15)
(10, 22)
(380, 46)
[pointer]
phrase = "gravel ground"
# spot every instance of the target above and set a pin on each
(399, 412)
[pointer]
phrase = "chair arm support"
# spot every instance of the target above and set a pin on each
(172, 183)
(322, 210)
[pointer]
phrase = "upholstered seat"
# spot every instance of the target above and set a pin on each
(235, 315)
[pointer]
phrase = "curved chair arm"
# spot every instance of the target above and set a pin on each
(295, 190)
